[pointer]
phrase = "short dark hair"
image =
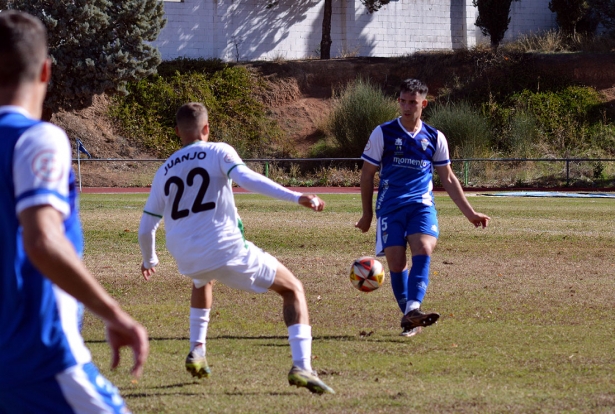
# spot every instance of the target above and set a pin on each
(23, 47)
(189, 115)
(413, 85)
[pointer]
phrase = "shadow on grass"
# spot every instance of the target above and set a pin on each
(358, 337)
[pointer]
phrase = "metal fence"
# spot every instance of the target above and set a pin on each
(345, 172)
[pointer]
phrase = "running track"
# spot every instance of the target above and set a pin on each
(307, 190)
(344, 190)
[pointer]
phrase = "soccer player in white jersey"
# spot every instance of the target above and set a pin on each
(406, 151)
(193, 192)
(44, 364)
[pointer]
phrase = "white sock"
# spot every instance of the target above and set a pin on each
(300, 339)
(412, 305)
(199, 320)
(198, 349)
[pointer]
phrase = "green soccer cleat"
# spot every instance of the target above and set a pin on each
(304, 378)
(197, 365)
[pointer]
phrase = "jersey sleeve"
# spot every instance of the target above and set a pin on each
(41, 169)
(147, 240)
(154, 206)
(441, 156)
(255, 182)
(150, 220)
(229, 159)
(374, 147)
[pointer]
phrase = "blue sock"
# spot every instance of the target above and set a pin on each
(418, 279)
(399, 283)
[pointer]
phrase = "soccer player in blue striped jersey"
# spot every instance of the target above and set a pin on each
(406, 151)
(44, 364)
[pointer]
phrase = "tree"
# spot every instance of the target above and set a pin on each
(493, 19)
(569, 13)
(325, 43)
(96, 46)
(605, 10)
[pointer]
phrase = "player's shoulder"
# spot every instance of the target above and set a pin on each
(393, 123)
(391, 128)
(47, 129)
(219, 146)
(44, 135)
(430, 130)
(225, 152)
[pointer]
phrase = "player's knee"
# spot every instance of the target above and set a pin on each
(425, 250)
(286, 283)
(294, 287)
(298, 288)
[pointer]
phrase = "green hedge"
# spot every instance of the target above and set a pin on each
(147, 113)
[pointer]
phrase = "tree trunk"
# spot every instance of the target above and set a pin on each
(494, 46)
(325, 43)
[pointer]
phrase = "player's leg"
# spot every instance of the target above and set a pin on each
(296, 318)
(421, 248)
(422, 239)
(257, 271)
(201, 301)
(391, 238)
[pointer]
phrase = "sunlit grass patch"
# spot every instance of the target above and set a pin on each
(526, 313)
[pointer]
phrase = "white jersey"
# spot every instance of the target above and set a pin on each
(192, 191)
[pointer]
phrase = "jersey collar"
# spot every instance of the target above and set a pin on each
(14, 108)
(412, 134)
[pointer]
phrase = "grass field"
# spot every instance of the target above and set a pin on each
(527, 319)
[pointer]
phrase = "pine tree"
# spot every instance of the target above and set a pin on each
(493, 19)
(605, 9)
(569, 13)
(96, 46)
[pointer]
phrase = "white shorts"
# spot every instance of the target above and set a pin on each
(77, 390)
(252, 271)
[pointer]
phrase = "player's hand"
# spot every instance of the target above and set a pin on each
(312, 201)
(364, 223)
(127, 332)
(479, 219)
(147, 272)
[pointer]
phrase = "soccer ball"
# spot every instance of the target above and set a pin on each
(366, 274)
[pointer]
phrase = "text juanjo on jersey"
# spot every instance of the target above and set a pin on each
(187, 157)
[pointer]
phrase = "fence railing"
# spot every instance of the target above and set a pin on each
(472, 172)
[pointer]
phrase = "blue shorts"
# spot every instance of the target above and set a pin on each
(79, 389)
(393, 228)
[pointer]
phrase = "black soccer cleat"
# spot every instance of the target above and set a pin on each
(416, 318)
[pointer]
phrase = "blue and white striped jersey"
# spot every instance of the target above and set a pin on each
(39, 335)
(406, 163)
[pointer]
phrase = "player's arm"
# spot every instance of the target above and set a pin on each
(453, 188)
(147, 242)
(54, 256)
(368, 172)
(257, 183)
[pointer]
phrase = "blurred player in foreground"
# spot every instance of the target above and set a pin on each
(44, 364)
(406, 151)
(193, 192)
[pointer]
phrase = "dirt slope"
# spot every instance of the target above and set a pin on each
(298, 94)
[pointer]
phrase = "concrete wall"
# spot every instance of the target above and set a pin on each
(243, 30)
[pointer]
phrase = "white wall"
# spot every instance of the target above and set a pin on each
(291, 29)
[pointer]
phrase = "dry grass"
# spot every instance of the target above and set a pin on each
(526, 305)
